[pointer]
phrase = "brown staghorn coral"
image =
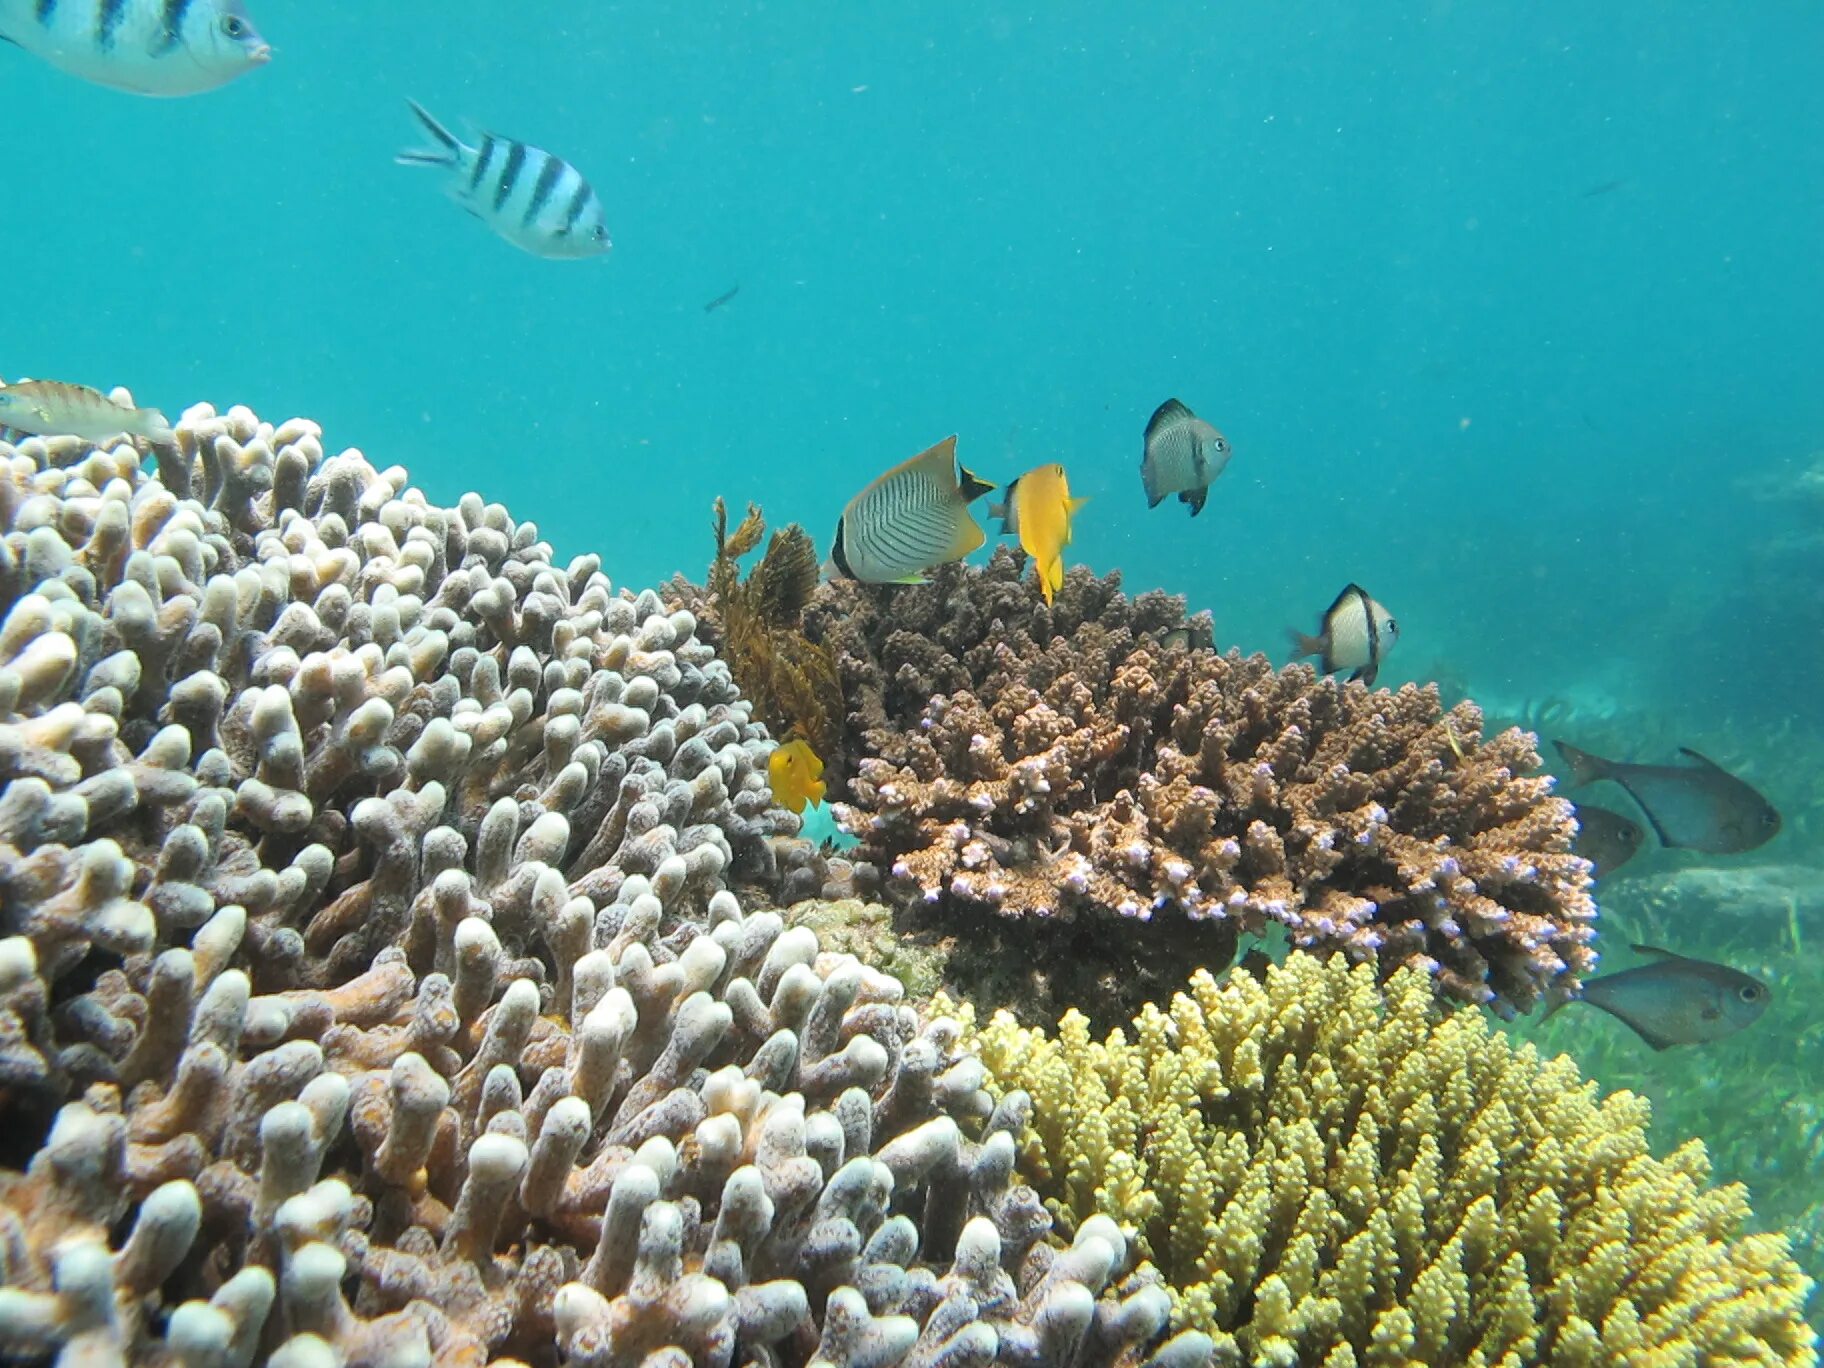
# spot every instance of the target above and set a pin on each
(1079, 771)
(1334, 1173)
(366, 947)
(791, 680)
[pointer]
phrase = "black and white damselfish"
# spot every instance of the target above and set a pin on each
(539, 203)
(148, 47)
(1355, 635)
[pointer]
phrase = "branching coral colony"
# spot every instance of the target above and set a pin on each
(370, 991)
(1332, 1173)
(1126, 801)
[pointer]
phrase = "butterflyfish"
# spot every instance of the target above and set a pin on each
(796, 775)
(910, 520)
(1182, 455)
(1355, 635)
(1038, 511)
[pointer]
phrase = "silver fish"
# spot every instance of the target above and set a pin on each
(1700, 806)
(1356, 634)
(914, 517)
(538, 202)
(1677, 1001)
(1183, 455)
(50, 408)
(148, 47)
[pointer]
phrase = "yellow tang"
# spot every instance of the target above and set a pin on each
(914, 517)
(797, 776)
(1038, 511)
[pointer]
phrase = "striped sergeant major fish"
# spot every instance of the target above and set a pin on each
(148, 47)
(538, 202)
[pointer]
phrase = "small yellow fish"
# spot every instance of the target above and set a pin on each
(797, 776)
(50, 408)
(1038, 511)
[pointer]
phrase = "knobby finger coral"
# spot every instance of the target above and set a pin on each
(1098, 777)
(1333, 1173)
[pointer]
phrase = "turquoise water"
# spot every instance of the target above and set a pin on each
(1513, 313)
(1522, 414)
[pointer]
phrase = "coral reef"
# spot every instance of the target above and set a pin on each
(1078, 770)
(1332, 1172)
(370, 991)
(791, 680)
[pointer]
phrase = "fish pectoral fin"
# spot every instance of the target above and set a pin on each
(1072, 505)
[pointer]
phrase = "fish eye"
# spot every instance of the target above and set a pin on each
(234, 26)
(1393, 626)
(1751, 992)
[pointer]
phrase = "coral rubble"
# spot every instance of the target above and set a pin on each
(1331, 1172)
(1080, 770)
(370, 991)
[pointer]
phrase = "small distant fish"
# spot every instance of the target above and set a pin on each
(1677, 1001)
(1692, 807)
(50, 408)
(911, 519)
(722, 298)
(1183, 456)
(1189, 637)
(796, 775)
(1038, 510)
(539, 203)
(1606, 839)
(1607, 187)
(1356, 633)
(147, 47)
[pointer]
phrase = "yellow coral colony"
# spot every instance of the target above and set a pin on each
(1332, 1173)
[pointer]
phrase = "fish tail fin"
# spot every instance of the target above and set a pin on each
(448, 151)
(1303, 645)
(1585, 768)
(971, 486)
(999, 510)
(158, 428)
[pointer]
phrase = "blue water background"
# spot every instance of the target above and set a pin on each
(1540, 423)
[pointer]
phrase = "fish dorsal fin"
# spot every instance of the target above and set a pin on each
(1703, 760)
(1654, 952)
(1350, 590)
(939, 462)
(1171, 411)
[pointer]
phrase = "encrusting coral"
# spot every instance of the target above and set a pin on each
(1334, 1173)
(1079, 769)
(368, 974)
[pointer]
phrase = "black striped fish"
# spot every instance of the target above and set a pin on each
(538, 202)
(911, 519)
(149, 47)
(1355, 635)
(1183, 455)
